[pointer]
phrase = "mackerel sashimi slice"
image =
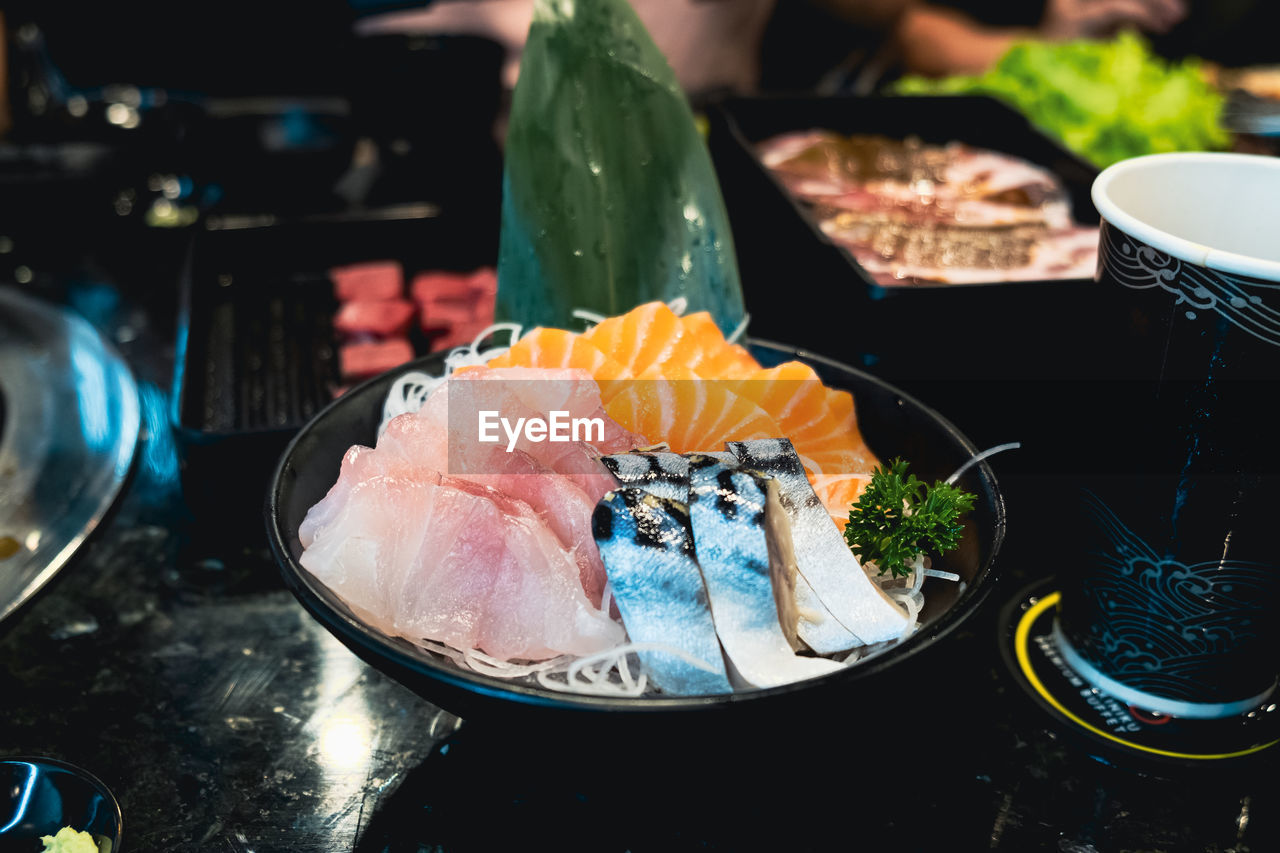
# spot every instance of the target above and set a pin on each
(743, 542)
(423, 556)
(648, 549)
(822, 555)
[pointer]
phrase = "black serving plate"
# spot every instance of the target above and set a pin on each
(999, 357)
(893, 424)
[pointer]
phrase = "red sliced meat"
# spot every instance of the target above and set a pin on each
(380, 318)
(372, 280)
(432, 286)
(460, 334)
(485, 280)
(440, 317)
(362, 360)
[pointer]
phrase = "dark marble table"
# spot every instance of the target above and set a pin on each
(169, 659)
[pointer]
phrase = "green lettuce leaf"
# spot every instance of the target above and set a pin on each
(1105, 100)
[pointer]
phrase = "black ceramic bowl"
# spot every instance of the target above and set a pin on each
(893, 425)
(42, 795)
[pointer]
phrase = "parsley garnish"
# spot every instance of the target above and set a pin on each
(898, 517)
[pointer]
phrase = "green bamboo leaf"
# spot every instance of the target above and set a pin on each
(609, 195)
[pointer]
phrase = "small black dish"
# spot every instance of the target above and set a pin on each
(1106, 728)
(42, 795)
(892, 423)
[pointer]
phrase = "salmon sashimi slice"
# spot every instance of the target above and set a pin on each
(690, 414)
(839, 492)
(644, 336)
(717, 359)
(427, 557)
(547, 347)
(794, 394)
(818, 420)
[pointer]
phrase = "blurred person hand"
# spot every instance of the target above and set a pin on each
(938, 40)
(1071, 19)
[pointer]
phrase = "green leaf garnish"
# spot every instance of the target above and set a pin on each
(898, 517)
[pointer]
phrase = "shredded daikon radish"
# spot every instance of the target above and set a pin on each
(739, 331)
(974, 460)
(407, 395)
(595, 682)
(484, 664)
(912, 601)
(917, 572)
(590, 316)
(596, 674)
(624, 672)
(678, 306)
(409, 392)
(605, 673)
(473, 355)
(606, 596)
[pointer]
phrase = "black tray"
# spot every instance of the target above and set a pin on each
(997, 357)
(257, 356)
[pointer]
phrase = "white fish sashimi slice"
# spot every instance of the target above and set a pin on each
(564, 508)
(428, 557)
(358, 529)
(734, 515)
(454, 409)
(546, 389)
(561, 503)
(822, 555)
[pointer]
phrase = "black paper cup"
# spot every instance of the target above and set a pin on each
(1170, 570)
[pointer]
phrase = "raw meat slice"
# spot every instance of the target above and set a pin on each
(369, 358)
(371, 280)
(381, 318)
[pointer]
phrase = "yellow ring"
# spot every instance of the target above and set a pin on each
(1024, 661)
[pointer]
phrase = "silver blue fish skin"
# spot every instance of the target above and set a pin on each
(661, 473)
(822, 556)
(727, 509)
(647, 547)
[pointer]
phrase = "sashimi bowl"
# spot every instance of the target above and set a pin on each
(893, 425)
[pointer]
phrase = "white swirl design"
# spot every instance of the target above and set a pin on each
(1239, 299)
(1167, 625)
